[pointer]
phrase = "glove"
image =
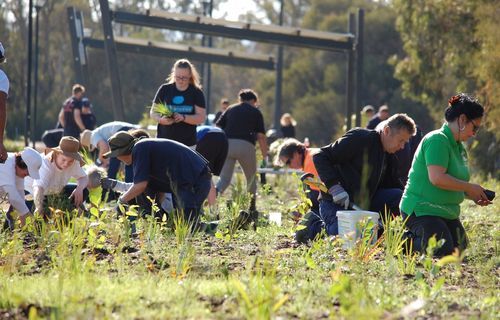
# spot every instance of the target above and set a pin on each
(121, 206)
(339, 196)
(107, 183)
(263, 163)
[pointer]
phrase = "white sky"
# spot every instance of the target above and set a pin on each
(233, 8)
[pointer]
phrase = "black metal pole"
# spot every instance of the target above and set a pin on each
(350, 77)
(35, 89)
(112, 60)
(208, 89)
(27, 123)
(203, 42)
(279, 75)
(359, 65)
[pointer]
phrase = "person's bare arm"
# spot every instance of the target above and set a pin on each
(134, 191)
(261, 138)
(38, 195)
(439, 178)
(194, 119)
(103, 148)
(77, 194)
(61, 117)
(161, 120)
(77, 115)
(3, 121)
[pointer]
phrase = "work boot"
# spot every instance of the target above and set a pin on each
(254, 214)
(243, 220)
(8, 223)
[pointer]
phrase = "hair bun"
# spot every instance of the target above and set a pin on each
(453, 100)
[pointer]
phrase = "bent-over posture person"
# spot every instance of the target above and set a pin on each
(98, 139)
(362, 155)
(163, 166)
(294, 154)
(59, 165)
(211, 143)
(439, 179)
(16, 167)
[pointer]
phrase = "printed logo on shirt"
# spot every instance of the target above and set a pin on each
(178, 100)
(68, 105)
(182, 109)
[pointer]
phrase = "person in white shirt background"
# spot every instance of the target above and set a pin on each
(98, 139)
(16, 167)
(59, 165)
(4, 92)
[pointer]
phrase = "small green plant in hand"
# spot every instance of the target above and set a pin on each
(162, 109)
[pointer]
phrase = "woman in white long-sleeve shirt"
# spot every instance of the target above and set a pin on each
(59, 165)
(12, 172)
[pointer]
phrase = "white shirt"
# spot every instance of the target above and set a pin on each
(4, 82)
(52, 179)
(105, 131)
(12, 186)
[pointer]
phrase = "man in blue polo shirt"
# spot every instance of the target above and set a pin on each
(163, 166)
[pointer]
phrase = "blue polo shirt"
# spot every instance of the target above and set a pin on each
(166, 164)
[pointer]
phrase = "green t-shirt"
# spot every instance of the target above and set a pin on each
(421, 196)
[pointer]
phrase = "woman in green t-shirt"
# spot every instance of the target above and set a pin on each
(438, 179)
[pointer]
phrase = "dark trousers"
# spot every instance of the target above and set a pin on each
(424, 227)
(213, 147)
(52, 137)
(382, 199)
(327, 217)
(188, 199)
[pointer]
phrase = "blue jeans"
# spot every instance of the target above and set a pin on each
(382, 198)
(191, 199)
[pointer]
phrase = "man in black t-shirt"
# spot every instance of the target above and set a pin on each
(88, 117)
(224, 104)
(163, 166)
(243, 124)
(382, 114)
(70, 116)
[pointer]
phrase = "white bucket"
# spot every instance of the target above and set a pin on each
(349, 229)
(275, 217)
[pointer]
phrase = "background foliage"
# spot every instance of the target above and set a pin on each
(417, 54)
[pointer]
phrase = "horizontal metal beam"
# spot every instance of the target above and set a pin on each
(237, 30)
(204, 54)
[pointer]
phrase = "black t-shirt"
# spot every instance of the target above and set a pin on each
(288, 131)
(70, 126)
(166, 164)
(373, 122)
(242, 121)
(182, 102)
(89, 120)
(217, 116)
